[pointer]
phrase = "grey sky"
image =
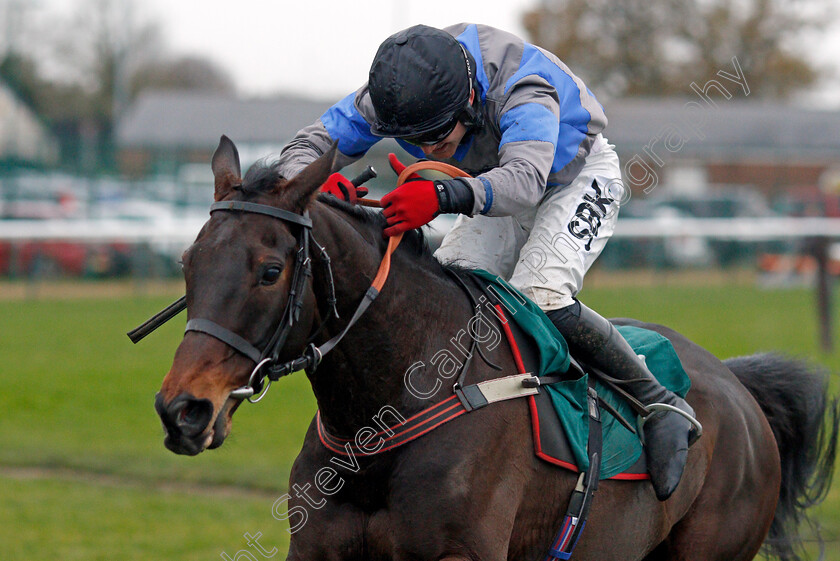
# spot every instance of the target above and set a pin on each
(323, 48)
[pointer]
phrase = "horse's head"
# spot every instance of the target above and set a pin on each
(239, 273)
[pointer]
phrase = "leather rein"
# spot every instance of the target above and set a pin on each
(267, 362)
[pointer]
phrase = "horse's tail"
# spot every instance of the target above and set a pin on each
(794, 397)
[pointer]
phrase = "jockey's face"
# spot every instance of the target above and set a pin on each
(446, 147)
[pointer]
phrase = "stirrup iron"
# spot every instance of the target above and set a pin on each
(694, 434)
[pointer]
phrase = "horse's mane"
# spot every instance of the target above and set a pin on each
(264, 177)
(413, 240)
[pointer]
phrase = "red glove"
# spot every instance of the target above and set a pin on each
(340, 187)
(398, 167)
(409, 206)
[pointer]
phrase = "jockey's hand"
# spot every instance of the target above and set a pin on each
(415, 203)
(409, 206)
(339, 186)
(398, 167)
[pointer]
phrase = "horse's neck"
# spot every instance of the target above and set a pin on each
(407, 324)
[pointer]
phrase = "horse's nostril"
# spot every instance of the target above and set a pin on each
(191, 415)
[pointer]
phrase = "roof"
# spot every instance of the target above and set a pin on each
(691, 127)
(727, 130)
(196, 120)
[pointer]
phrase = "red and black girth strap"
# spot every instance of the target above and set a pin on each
(368, 441)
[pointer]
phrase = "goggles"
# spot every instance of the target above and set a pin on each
(435, 136)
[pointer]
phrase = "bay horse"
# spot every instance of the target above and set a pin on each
(472, 489)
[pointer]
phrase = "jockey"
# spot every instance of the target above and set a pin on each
(545, 191)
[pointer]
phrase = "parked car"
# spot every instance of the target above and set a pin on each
(679, 252)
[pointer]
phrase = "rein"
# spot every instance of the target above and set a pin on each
(393, 242)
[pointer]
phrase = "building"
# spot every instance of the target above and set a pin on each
(174, 134)
(23, 138)
(693, 145)
(164, 131)
(688, 146)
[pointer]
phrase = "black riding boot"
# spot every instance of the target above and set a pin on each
(666, 434)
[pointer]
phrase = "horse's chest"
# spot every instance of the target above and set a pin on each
(371, 520)
(386, 535)
(426, 502)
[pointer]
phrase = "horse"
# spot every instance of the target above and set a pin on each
(472, 489)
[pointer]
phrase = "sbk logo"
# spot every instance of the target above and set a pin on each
(587, 220)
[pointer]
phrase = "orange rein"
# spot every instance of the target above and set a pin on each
(394, 241)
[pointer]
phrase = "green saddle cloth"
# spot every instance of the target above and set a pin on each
(621, 448)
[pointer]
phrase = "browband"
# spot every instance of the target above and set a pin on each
(256, 208)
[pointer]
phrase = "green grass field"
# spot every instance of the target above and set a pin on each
(84, 474)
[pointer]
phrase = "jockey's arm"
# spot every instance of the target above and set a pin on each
(542, 136)
(344, 123)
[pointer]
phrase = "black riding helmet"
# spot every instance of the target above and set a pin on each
(420, 83)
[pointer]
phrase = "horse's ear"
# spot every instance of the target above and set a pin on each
(307, 182)
(226, 169)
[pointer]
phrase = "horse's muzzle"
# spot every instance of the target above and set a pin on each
(186, 421)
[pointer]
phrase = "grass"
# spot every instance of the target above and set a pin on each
(76, 395)
(71, 520)
(80, 395)
(726, 320)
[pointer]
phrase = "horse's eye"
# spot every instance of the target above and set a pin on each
(270, 274)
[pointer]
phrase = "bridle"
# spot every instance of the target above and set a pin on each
(268, 364)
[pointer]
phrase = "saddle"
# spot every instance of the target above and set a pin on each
(560, 411)
(552, 429)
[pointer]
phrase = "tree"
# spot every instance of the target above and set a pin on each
(658, 47)
(185, 73)
(80, 75)
(100, 47)
(20, 74)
